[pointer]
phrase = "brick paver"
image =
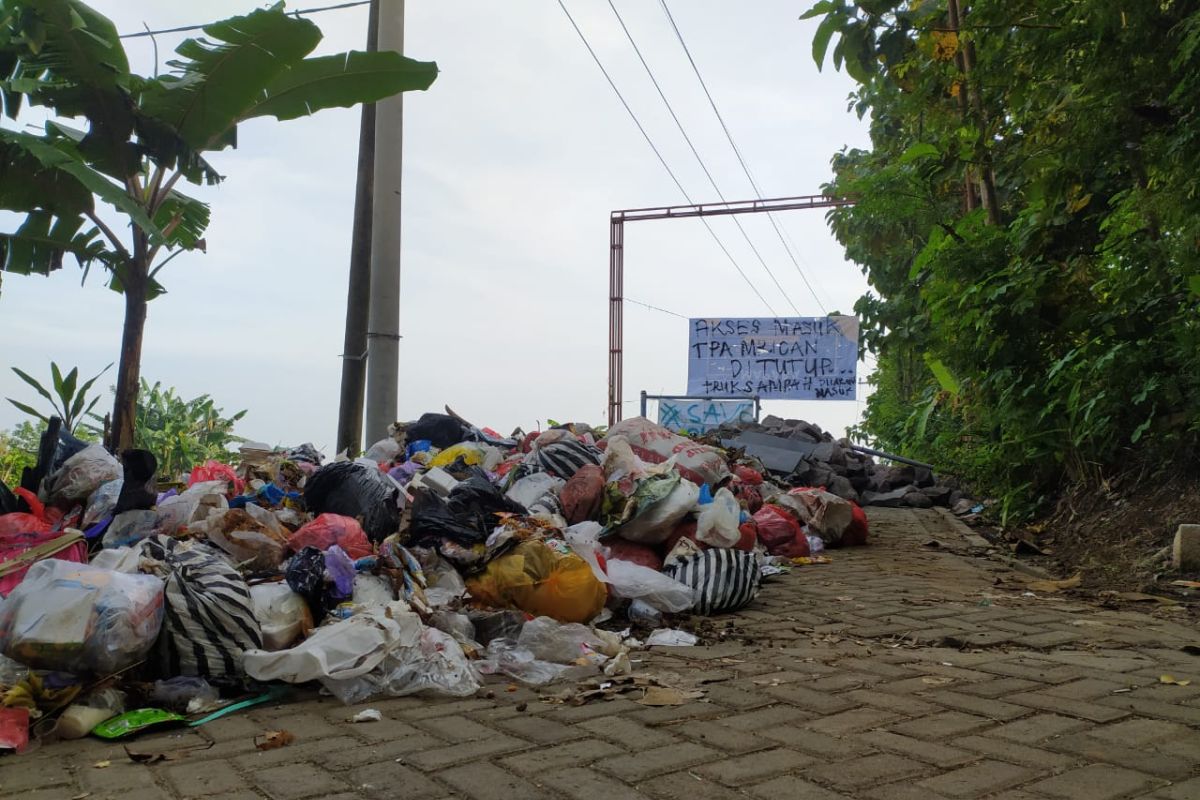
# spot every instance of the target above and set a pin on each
(898, 671)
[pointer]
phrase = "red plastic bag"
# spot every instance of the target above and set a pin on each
(582, 494)
(856, 534)
(643, 555)
(330, 529)
(778, 529)
(14, 729)
(749, 496)
(748, 476)
(216, 471)
(749, 532)
(20, 533)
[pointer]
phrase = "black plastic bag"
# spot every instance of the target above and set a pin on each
(441, 430)
(476, 501)
(138, 492)
(354, 490)
(305, 575)
(8, 500)
(432, 521)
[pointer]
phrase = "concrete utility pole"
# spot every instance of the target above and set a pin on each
(358, 294)
(383, 332)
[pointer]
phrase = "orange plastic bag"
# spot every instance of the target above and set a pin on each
(542, 583)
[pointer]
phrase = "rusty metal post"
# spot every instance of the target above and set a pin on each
(616, 315)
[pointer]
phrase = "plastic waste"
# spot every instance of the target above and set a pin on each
(129, 528)
(305, 575)
(634, 553)
(14, 730)
(642, 613)
(371, 591)
(541, 582)
(118, 559)
(655, 508)
(440, 430)
(282, 614)
(210, 617)
(384, 450)
(132, 722)
(252, 536)
(815, 545)
(582, 494)
(724, 580)
(562, 643)
(435, 663)
(825, 514)
(178, 512)
(506, 657)
(780, 531)
(368, 715)
(635, 582)
(342, 650)
(80, 717)
(28, 538)
(359, 492)
(670, 637)
(216, 471)
(718, 522)
(655, 444)
(530, 489)
(186, 693)
(472, 453)
(80, 475)
(80, 618)
(457, 625)
(340, 568)
(102, 502)
(491, 625)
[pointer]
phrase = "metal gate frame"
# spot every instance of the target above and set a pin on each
(616, 265)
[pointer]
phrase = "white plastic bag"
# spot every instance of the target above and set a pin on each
(118, 559)
(80, 475)
(563, 643)
(281, 613)
(657, 506)
(81, 618)
(128, 528)
(635, 582)
(435, 662)
(718, 522)
(531, 488)
(583, 539)
(343, 650)
(506, 657)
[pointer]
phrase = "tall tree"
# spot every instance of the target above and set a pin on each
(1028, 217)
(146, 134)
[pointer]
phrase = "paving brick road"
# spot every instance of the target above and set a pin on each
(898, 671)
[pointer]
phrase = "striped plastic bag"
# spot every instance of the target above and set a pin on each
(724, 579)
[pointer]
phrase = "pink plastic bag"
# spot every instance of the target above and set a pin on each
(654, 444)
(780, 532)
(330, 529)
(21, 533)
(216, 471)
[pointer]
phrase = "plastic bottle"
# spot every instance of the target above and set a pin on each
(79, 719)
(642, 613)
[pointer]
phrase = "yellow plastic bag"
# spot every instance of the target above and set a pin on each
(471, 453)
(541, 582)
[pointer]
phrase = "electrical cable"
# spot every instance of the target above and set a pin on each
(662, 160)
(662, 95)
(737, 151)
(654, 308)
(299, 13)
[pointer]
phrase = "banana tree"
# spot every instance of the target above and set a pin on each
(143, 135)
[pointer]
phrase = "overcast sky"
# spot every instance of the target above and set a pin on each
(513, 160)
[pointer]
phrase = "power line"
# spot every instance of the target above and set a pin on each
(741, 160)
(654, 308)
(696, 153)
(662, 160)
(299, 13)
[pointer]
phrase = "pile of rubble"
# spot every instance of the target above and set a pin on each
(809, 456)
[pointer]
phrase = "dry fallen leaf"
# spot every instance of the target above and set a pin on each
(1187, 584)
(82, 796)
(936, 680)
(1170, 679)
(167, 755)
(666, 696)
(1142, 597)
(273, 739)
(102, 764)
(1056, 586)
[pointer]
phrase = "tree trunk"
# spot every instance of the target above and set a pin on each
(987, 178)
(129, 371)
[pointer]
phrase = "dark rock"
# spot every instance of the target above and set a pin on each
(842, 488)
(955, 496)
(823, 452)
(861, 483)
(917, 499)
(774, 422)
(892, 499)
(922, 477)
(940, 495)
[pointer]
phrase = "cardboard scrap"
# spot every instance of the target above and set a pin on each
(272, 740)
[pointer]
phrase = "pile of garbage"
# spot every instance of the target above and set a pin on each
(812, 457)
(446, 557)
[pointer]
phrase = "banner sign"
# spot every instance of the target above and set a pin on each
(701, 416)
(776, 358)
